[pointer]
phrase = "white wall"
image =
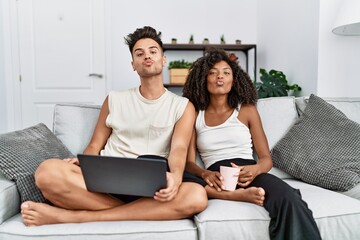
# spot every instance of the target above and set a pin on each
(295, 37)
(176, 19)
(292, 36)
(288, 40)
(3, 119)
(339, 56)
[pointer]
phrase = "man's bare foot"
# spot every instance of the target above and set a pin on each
(252, 194)
(36, 214)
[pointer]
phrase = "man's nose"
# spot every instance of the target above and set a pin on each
(147, 56)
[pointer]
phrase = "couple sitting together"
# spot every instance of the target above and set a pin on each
(216, 116)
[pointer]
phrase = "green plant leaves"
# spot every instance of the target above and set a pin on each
(274, 84)
(179, 64)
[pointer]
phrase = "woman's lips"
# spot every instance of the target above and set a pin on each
(220, 83)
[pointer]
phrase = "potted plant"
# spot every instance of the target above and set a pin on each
(222, 39)
(179, 69)
(173, 40)
(191, 39)
(205, 41)
(274, 84)
(238, 41)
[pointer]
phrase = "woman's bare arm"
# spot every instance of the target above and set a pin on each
(213, 179)
(250, 117)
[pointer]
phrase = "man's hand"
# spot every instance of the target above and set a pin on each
(168, 193)
(72, 161)
(213, 179)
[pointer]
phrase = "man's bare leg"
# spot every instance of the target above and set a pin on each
(252, 194)
(191, 199)
(63, 185)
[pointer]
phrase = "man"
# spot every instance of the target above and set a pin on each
(144, 120)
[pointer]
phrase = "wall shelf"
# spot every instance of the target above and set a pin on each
(203, 47)
(245, 48)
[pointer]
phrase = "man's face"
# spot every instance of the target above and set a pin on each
(148, 59)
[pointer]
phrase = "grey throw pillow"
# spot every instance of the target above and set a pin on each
(22, 151)
(322, 148)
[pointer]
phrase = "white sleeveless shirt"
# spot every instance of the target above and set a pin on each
(141, 126)
(231, 139)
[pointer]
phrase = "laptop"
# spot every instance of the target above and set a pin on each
(142, 176)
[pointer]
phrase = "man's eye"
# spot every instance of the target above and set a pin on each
(139, 54)
(226, 73)
(211, 73)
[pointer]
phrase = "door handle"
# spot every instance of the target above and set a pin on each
(96, 75)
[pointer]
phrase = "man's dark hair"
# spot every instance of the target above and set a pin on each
(195, 88)
(141, 33)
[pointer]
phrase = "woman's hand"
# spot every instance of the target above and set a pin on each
(247, 174)
(72, 161)
(213, 179)
(168, 193)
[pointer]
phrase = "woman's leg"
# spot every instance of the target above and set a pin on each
(251, 194)
(290, 216)
(254, 195)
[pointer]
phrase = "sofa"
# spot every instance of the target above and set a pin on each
(337, 213)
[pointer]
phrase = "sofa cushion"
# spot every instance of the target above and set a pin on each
(9, 198)
(241, 220)
(112, 230)
(349, 106)
(277, 114)
(322, 147)
(22, 151)
(332, 211)
(354, 192)
(224, 219)
(75, 124)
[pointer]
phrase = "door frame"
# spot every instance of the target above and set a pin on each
(12, 66)
(12, 61)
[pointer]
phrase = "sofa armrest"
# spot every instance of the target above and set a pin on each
(9, 198)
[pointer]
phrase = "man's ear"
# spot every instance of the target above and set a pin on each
(164, 61)
(132, 64)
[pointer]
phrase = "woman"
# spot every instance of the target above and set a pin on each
(227, 128)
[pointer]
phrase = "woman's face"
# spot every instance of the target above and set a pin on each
(220, 79)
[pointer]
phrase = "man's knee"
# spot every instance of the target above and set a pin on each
(194, 199)
(201, 198)
(47, 173)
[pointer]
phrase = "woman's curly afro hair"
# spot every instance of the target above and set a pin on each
(195, 88)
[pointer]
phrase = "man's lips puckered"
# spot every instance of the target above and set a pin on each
(148, 62)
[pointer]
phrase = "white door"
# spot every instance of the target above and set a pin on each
(62, 55)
